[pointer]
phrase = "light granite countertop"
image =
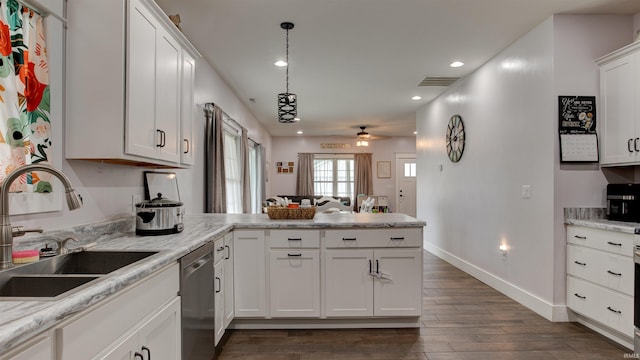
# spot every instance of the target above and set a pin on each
(22, 320)
(604, 224)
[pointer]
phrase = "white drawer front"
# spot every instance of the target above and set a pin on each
(610, 270)
(598, 303)
(294, 239)
(355, 238)
(612, 241)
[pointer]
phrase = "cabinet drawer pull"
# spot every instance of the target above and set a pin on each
(580, 296)
(614, 244)
(349, 239)
(614, 273)
(629, 145)
(580, 263)
(219, 285)
(292, 255)
(187, 147)
(294, 239)
(220, 248)
(397, 238)
(136, 354)
(614, 310)
(144, 348)
(228, 252)
(580, 237)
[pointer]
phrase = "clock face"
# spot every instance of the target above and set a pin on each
(455, 138)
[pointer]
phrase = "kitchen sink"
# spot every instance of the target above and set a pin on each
(41, 286)
(51, 277)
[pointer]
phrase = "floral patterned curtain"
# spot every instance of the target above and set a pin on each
(25, 133)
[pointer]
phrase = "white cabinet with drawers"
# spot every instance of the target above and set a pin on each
(600, 277)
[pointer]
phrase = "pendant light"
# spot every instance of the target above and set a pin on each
(287, 102)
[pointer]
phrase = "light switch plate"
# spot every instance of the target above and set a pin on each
(526, 191)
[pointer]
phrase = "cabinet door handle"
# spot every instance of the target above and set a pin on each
(614, 244)
(349, 239)
(144, 348)
(580, 263)
(219, 285)
(294, 255)
(614, 273)
(635, 144)
(580, 237)
(294, 239)
(164, 138)
(370, 267)
(580, 296)
(614, 310)
(629, 145)
(228, 252)
(136, 354)
(187, 147)
(159, 144)
(377, 267)
(397, 238)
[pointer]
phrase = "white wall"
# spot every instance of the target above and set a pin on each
(509, 106)
(286, 148)
(107, 188)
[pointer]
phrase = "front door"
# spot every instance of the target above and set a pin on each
(406, 184)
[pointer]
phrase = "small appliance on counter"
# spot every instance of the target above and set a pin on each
(163, 214)
(623, 202)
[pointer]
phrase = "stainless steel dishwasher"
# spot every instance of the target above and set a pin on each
(197, 297)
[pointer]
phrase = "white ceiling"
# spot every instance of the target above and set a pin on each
(358, 62)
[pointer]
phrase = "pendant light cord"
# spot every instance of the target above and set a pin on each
(287, 70)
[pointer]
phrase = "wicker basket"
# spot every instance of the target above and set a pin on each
(280, 212)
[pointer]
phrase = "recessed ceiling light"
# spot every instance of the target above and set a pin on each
(456, 64)
(416, 98)
(296, 119)
(280, 63)
(299, 132)
(415, 133)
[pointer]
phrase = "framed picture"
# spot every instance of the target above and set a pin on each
(290, 163)
(384, 169)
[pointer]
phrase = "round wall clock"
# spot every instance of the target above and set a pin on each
(455, 138)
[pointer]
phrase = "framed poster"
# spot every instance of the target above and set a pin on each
(577, 129)
(384, 169)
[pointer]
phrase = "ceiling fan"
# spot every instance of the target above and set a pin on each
(362, 137)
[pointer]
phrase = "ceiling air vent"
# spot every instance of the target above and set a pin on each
(438, 81)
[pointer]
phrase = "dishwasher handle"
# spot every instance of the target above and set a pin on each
(196, 264)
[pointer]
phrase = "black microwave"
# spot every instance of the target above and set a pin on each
(623, 202)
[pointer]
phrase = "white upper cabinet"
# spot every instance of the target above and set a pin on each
(619, 89)
(128, 92)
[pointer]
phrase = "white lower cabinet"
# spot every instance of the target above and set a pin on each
(600, 274)
(141, 319)
(250, 276)
(219, 279)
(155, 337)
(294, 283)
(38, 349)
(373, 282)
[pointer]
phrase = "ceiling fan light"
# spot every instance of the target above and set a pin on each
(362, 143)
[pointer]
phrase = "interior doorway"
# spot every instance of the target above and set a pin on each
(406, 183)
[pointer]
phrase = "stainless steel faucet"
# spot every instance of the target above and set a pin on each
(7, 232)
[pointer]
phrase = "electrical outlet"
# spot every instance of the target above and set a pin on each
(135, 198)
(526, 191)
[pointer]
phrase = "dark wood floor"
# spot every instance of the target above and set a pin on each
(462, 319)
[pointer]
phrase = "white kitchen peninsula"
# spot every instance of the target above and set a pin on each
(389, 249)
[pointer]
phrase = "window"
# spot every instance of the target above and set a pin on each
(409, 169)
(333, 175)
(233, 168)
(255, 177)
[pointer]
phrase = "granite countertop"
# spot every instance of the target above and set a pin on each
(21, 320)
(604, 224)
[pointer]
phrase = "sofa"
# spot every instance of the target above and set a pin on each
(342, 203)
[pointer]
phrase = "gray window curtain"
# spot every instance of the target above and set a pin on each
(363, 174)
(261, 175)
(215, 193)
(246, 176)
(304, 179)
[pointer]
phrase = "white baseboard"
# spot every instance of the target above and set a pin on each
(541, 307)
